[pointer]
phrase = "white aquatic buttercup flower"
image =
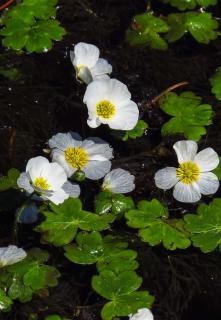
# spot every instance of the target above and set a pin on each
(119, 181)
(47, 179)
(109, 102)
(10, 255)
(90, 155)
(142, 314)
(87, 63)
(193, 177)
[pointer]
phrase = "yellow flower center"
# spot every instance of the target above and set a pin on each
(41, 183)
(105, 109)
(76, 157)
(188, 172)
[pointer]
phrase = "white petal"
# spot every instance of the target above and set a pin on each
(102, 67)
(142, 314)
(96, 91)
(95, 170)
(207, 159)
(118, 93)
(166, 178)
(126, 117)
(63, 141)
(85, 54)
(85, 75)
(188, 193)
(97, 149)
(185, 150)
(208, 183)
(93, 122)
(58, 197)
(10, 255)
(58, 156)
(72, 189)
(36, 167)
(119, 181)
(55, 176)
(24, 183)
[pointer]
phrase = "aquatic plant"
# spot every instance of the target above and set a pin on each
(86, 233)
(157, 31)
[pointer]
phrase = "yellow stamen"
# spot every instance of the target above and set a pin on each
(41, 183)
(76, 157)
(188, 172)
(105, 109)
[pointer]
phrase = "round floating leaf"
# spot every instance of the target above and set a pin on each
(216, 84)
(125, 305)
(9, 181)
(107, 202)
(91, 248)
(189, 116)
(151, 218)
(146, 29)
(137, 132)
(205, 226)
(202, 26)
(61, 224)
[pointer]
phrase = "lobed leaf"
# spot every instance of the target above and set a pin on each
(205, 226)
(137, 132)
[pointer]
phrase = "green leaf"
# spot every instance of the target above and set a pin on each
(216, 84)
(5, 302)
(64, 220)
(91, 248)
(146, 29)
(217, 171)
(9, 181)
(189, 116)
(107, 202)
(31, 25)
(202, 26)
(190, 4)
(120, 289)
(137, 132)
(28, 276)
(151, 218)
(125, 305)
(205, 226)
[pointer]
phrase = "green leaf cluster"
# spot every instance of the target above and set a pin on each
(9, 181)
(63, 221)
(146, 29)
(190, 4)
(201, 25)
(30, 276)
(189, 116)
(205, 226)
(31, 25)
(117, 280)
(155, 226)
(156, 32)
(5, 302)
(137, 132)
(108, 202)
(216, 84)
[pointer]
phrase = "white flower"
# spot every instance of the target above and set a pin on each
(10, 255)
(193, 177)
(90, 155)
(109, 102)
(47, 179)
(119, 181)
(142, 314)
(87, 63)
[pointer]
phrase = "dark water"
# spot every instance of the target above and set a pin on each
(46, 99)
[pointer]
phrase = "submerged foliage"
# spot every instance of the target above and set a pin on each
(216, 84)
(31, 25)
